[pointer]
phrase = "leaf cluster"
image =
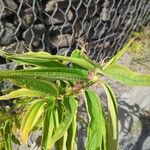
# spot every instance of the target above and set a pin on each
(48, 99)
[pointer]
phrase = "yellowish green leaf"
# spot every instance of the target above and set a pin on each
(126, 76)
(71, 108)
(119, 54)
(22, 93)
(71, 136)
(40, 56)
(7, 135)
(48, 128)
(112, 121)
(31, 117)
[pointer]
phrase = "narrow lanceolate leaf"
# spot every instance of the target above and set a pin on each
(40, 56)
(46, 74)
(104, 133)
(22, 93)
(96, 121)
(31, 117)
(71, 108)
(64, 140)
(36, 85)
(126, 76)
(112, 130)
(120, 53)
(7, 135)
(81, 55)
(48, 128)
(71, 138)
(46, 88)
(34, 60)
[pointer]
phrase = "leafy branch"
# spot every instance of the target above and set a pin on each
(48, 91)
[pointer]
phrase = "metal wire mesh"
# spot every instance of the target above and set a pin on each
(59, 26)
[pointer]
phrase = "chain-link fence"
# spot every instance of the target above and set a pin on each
(59, 26)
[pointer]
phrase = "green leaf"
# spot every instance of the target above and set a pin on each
(40, 56)
(112, 130)
(71, 138)
(64, 140)
(15, 140)
(2, 143)
(96, 121)
(56, 118)
(41, 86)
(32, 58)
(46, 74)
(48, 128)
(81, 55)
(126, 76)
(77, 54)
(71, 108)
(104, 133)
(119, 54)
(31, 117)
(22, 93)
(8, 135)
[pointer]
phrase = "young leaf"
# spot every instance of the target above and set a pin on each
(22, 93)
(119, 54)
(95, 114)
(71, 138)
(112, 131)
(31, 117)
(39, 56)
(80, 54)
(104, 133)
(8, 135)
(71, 106)
(56, 118)
(59, 114)
(48, 128)
(126, 76)
(64, 140)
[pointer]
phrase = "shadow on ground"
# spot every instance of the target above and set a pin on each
(134, 127)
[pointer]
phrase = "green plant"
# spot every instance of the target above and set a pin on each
(48, 99)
